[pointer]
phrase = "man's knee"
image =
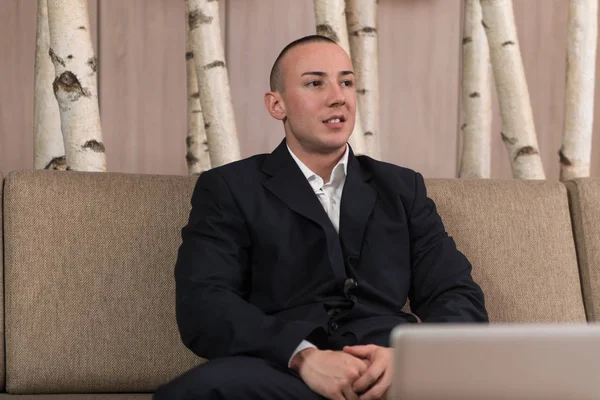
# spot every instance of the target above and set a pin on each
(201, 382)
(225, 378)
(234, 378)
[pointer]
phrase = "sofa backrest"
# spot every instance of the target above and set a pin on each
(518, 237)
(585, 214)
(81, 250)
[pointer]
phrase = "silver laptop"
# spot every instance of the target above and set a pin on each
(489, 362)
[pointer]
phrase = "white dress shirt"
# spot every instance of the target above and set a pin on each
(330, 196)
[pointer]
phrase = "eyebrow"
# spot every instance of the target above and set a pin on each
(319, 73)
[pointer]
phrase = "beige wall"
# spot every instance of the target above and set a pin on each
(140, 45)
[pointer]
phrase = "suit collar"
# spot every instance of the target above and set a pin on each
(338, 174)
(281, 157)
(308, 173)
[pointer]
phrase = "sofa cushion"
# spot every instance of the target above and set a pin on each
(518, 237)
(585, 213)
(90, 293)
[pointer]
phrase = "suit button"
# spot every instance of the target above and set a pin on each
(349, 284)
(334, 326)
(333, 312)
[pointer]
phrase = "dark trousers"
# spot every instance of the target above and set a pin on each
(237, 378)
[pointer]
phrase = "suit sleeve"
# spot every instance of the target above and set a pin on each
(213, 280)
(442, 289)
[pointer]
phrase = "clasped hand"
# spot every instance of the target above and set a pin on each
(356, 373)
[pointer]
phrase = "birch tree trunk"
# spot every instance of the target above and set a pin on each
(476, 97)
(361, 18)
(330, 16)
(48, 147)
(197, 156)
(74, 85)
(576, 151)
(213, 82)
(518, 129)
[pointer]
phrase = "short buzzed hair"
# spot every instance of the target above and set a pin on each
(276, 77)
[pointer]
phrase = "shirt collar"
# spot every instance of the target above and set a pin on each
(309, 175)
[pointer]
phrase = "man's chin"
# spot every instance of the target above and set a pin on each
(325, 143)
(331, 147)
(334, 140)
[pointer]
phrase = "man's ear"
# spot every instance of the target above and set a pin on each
(275, 106)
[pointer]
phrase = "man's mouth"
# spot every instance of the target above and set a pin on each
(335, 120)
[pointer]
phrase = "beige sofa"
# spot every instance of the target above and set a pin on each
(88, 271)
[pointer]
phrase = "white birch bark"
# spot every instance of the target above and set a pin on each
(361, 18)
(476, 97)
(75, 85)
(213, 82)
(518, 129)
(330, 17)
(576, 151)
(197, 156)
(48, 147)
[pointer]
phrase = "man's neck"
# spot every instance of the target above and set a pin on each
(321, 164)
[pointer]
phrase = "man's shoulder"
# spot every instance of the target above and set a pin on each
(241, 170)
(385, 171)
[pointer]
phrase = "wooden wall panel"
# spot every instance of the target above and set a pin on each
(142, 85)
(419, 51)
(542, 32)
(257, 31)
(17, 46)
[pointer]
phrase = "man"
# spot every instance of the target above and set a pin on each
(295, 265)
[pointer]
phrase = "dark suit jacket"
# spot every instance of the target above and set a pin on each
(261, 267)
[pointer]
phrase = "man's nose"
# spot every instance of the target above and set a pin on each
(336, 96)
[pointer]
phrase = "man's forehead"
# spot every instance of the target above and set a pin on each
(322, 57)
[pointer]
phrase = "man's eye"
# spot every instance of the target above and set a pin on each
(348, 83)
(314, 83)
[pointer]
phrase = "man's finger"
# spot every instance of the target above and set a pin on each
(369, 378)
(379, 390)
(349, 394)
(359, 351)
(375, 393)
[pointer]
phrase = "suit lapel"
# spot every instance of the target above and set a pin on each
(289, 184)
(358, 200)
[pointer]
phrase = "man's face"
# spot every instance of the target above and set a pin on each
(319, 98)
